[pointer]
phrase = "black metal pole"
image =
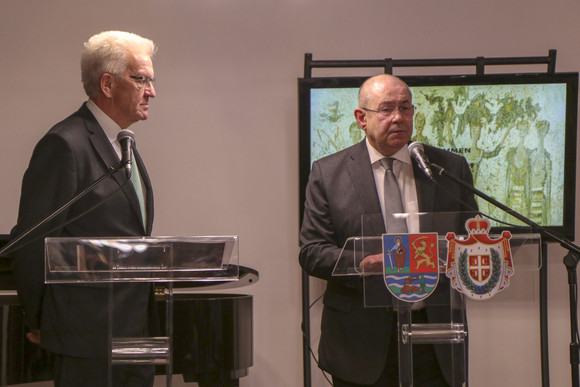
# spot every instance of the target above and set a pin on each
(544, 342)
(571, 262)
(306, 329)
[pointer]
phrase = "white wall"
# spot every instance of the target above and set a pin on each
(222, 139)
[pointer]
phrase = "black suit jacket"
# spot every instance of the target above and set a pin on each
(73, 319)
(354, 339)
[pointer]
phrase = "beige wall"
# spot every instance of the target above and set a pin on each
(222, 139)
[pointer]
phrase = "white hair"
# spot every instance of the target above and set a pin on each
(107, 52)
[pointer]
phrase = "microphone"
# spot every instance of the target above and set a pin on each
(417, 152)
(126, 139)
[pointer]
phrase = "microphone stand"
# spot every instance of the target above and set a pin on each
(59, 210)
(570, 261)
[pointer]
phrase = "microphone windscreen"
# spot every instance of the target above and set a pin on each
(125, 134)
(416, 146)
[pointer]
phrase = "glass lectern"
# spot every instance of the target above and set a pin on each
(142, 259)
(450, 332)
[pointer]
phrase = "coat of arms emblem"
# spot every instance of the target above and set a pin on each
(479, 266)
(411, 265)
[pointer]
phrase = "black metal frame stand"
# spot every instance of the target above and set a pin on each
(571, 261)
(479, 63)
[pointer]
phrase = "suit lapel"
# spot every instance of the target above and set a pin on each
(361, 173)
(426, 190)
(99, 140)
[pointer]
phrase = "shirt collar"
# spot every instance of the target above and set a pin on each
(402, 154)
(110, 127)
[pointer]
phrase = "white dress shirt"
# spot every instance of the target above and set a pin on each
(403, 170)
(110, 127)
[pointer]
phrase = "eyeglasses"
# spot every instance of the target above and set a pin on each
(405, 110)
(142, 81)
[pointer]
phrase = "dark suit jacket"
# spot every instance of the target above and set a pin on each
(73, 319)
(354, 339)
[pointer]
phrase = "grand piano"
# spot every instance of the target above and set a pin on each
(213, 334)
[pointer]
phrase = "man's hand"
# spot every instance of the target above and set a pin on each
(34, 336)
(372, 264)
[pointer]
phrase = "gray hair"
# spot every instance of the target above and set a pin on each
(107, 52)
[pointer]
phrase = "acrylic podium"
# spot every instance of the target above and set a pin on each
(142, 259)
(452, 332)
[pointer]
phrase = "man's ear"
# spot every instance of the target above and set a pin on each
(361, 118)
(107, 81)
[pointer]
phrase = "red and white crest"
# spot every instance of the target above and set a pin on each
(479, 266)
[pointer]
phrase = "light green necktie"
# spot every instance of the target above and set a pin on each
(138, 185)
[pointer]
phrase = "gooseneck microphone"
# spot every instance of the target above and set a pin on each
(417, 152)
(126, 139)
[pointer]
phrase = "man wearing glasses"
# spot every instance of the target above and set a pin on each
(73, 322)
(358, 345)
